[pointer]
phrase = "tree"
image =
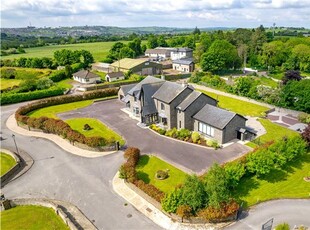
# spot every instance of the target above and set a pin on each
(291, 75)
(243, 86)
(203, 46)
(306, 134)
(126, 52)
(44, 83)
(217, 186)
(135, 45)
(161, 41)
(87, 58)
(260, 162)
(190, 42)
(301, 55)
(196, 31)
(152, 42)
(234, 172)
(258, 38)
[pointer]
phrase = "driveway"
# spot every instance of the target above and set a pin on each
(185, 156)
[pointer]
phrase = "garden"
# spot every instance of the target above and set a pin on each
(7, 162)
(31, 217)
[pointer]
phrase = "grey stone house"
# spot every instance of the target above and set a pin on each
(172, 105)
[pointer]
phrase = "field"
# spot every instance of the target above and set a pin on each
(242, 107)
(7, 162)
(31, 217)
(98, 129)
(8, 83)
(99, 50)
(147, 168)
(285, 183)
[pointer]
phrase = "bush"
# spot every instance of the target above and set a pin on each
(87, 127)
(184, 211)
(132, 153)
(304, 118)
(306, 134)
(161, 174)
(234, 172)
(195, 137)
(150, 190)
(283, 226)
(183, 133)
(58, 75)
(171, 132)
(172, 201)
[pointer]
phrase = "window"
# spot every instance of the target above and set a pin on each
(206, 129)
(135, 98)
(162, 106)
(180, 126)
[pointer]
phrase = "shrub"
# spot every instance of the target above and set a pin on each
(283, 226)
(304, 117)
(87, 127)
(171, 201)
(58, 75)
(132, 153)
(184, 211)
(183, 133)
(234, 172)
(171, 132)
(306, 134)
(161, 174)
(150, 190)
(195, 137)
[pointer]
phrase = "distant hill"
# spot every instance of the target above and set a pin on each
(78, 31)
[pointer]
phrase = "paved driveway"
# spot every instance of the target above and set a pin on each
(185, 156)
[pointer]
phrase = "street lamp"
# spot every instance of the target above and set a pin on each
(13, 136)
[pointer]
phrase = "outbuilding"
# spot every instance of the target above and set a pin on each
(86, 77)
(114, 76)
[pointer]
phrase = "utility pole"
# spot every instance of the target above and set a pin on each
(13, 136)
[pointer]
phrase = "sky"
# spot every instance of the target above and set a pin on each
(167, 13)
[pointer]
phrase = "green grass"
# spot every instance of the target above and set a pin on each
(7, 162)
(285, 183)
(7, 83)
(241, 107)
(65, 83)
(31, 218)
(52, 111)
(99, 50)
(274, 132)
(101, 74)
(267, 81)
(149, 165)
(24, 73)
(98, 129)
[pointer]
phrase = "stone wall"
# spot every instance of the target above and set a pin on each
(14, 169)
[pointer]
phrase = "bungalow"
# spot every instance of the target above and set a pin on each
(114, 76)
(139, 66)
(173, 105)
(85, 76)
(184, 65)
(180, 53)
(158, 53)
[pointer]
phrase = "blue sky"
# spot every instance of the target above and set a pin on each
(171, 13)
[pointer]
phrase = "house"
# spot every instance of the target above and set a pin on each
(138, 66)
(184, 65)
(172, 105)
(158, 53)
(179, 53)
(101, 67)
(114, 76)
(85, 76)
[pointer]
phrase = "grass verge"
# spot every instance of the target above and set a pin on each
(241, 107)
(98, 129)
(7, 162)
(31, 217)
(149, 165)
(284, 183)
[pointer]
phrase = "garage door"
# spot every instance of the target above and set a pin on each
(147, 71)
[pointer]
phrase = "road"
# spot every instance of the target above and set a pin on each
(85, 182)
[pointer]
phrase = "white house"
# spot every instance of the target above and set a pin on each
(179, 53)
(114, 76)
(184, 65)
(85, 76)
(158, 53)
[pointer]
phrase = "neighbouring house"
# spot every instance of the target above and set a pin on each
(114, 76)
(138, 66)
(173, 105)
(179, 53)
(158, 54)
(184, 65)
(102, 67)
(85, 76)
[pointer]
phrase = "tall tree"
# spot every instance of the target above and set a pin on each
(152, 42)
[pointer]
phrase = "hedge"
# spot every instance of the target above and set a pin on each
(58, 75)
(9, 98)
(59, 127)
(110, 85)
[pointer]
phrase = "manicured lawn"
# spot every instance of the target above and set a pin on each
(31, 218)
(274, 132)
(52, 111)
(149, 165)
(7, 162)
(286, 183)
(65, 84)
(98, 129)
(242, 107)
(267, 81)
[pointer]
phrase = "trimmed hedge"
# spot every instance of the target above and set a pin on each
(9, 98)
(110, 85)
(59, 127)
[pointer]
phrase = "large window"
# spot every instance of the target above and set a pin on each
(206, 129)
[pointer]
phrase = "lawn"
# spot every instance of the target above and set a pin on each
(7, 162)
(98, 129)
(147, 168)
(274, 132)
(65, 84)
(267, 81)
(31, 218)
(241, 107)
(99, 50)
(285, 183)
(7, 83)
(52, 111)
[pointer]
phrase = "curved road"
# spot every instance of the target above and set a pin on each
(85, 182)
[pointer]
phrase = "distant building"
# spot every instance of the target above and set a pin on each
(102, 67)
(138, 66)
(159, 53)
(85, 76)
(114, 76)
(184, 65)
(179, 53)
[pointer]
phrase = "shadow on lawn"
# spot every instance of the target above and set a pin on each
(143, 161)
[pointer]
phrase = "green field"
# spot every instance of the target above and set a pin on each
(99, 50)
(284, 183)
(241, 107)
(149, 165)
(31, 218)
(7, 162)
(52, 111)
(98, 129)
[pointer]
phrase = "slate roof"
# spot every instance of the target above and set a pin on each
(135, 91)
(189, 100)
(182, 49)
(158, 51)
(128, 63)
(126, 88)
(115, 74)
(184, 61)
(85, 74)
(168, 91)
(148, 91)
(215, 116)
